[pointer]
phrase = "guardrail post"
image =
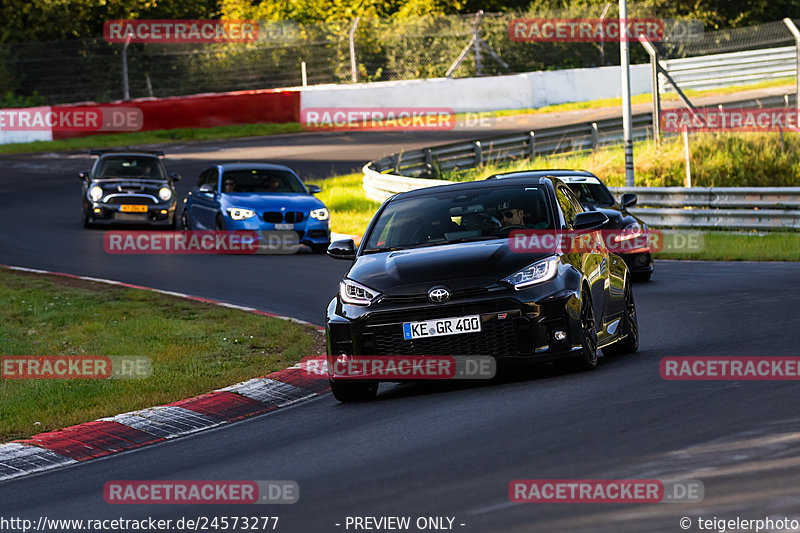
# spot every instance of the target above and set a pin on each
(594, 136)
(478, 153)
(532, 145)
(396, 163)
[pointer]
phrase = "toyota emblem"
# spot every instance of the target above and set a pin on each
(438, 295)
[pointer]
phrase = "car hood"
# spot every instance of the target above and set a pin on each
(456, 266)
(268, 202)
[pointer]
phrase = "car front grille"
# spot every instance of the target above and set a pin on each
(277, 217)
(131, 200)
(496, 338)
(383, 332)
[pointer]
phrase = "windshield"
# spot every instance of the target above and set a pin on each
(130, 167)
(592, 194)
(261, 180)
(445, 217)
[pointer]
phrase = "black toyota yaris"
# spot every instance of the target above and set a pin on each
(441, 254)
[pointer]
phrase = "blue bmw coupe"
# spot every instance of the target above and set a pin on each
(258, 197)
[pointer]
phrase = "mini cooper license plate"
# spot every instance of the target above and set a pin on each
(133, 208)
(441, 327)
(284, 226)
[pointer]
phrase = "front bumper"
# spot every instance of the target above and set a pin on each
(310, 231)
(107, 214)
(514, 325)
(639, 262)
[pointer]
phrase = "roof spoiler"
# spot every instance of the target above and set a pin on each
(99, 152)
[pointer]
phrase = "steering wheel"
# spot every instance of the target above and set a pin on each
(508, 229)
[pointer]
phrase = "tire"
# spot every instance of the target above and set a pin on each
(630, 328)
(353, 391)
(320, 248)
(641, 276)
(86, 223)
(587, 360)
(219, 224)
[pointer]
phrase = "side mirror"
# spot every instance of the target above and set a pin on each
(207, 191)
(589, 220)
(628, 200)
(314, 189)
(342, 249)
(175, 176)
(84, 176)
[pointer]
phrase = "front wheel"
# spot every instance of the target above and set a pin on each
(353, 391)
(587, 360)
(629, 328)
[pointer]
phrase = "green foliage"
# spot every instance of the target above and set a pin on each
(12, 100)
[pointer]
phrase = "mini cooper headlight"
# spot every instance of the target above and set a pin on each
(165, 194)
(356, 294)
(538, 272)
(95, 193)
(320, 214)
(237, 213)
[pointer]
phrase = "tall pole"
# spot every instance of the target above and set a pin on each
(126, 93)
(626, 93)
(796, 34)
(353, 71)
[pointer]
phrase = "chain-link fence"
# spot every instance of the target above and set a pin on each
(384, 49)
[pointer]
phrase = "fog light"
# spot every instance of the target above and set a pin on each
(97, 210)
(560, 335)
(163, 211)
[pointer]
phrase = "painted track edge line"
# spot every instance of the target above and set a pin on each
(166, 422)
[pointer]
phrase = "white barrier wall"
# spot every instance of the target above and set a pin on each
(11, 134)
(516, 91)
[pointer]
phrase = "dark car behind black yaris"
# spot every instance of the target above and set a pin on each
(595, 196)
(442, 254)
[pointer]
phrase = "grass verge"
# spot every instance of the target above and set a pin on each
(350, 208)
(744, 246)
(194, 348)
(151, 137)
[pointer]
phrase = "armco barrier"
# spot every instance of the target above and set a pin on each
(206, 110)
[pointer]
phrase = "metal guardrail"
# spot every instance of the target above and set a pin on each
(725, 70)
(678, 207)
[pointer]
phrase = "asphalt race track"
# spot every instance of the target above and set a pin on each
(448, 451)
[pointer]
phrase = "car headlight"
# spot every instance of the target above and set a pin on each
(165, 194)
(95, 193)
(356, 294)
(538, 272)
(631, 231)
(320, 214)
(237, 213)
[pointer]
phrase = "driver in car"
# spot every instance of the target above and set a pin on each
(510, 215)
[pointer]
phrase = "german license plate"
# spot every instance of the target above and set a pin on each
(441, 327)
(133, 208)
(284, 226)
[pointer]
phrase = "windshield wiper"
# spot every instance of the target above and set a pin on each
(382, 249)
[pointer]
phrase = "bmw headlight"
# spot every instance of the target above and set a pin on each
(320, 214)
(538, 272)
(356, 294)
(237, 213)
(95, 193)
(165, 194)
